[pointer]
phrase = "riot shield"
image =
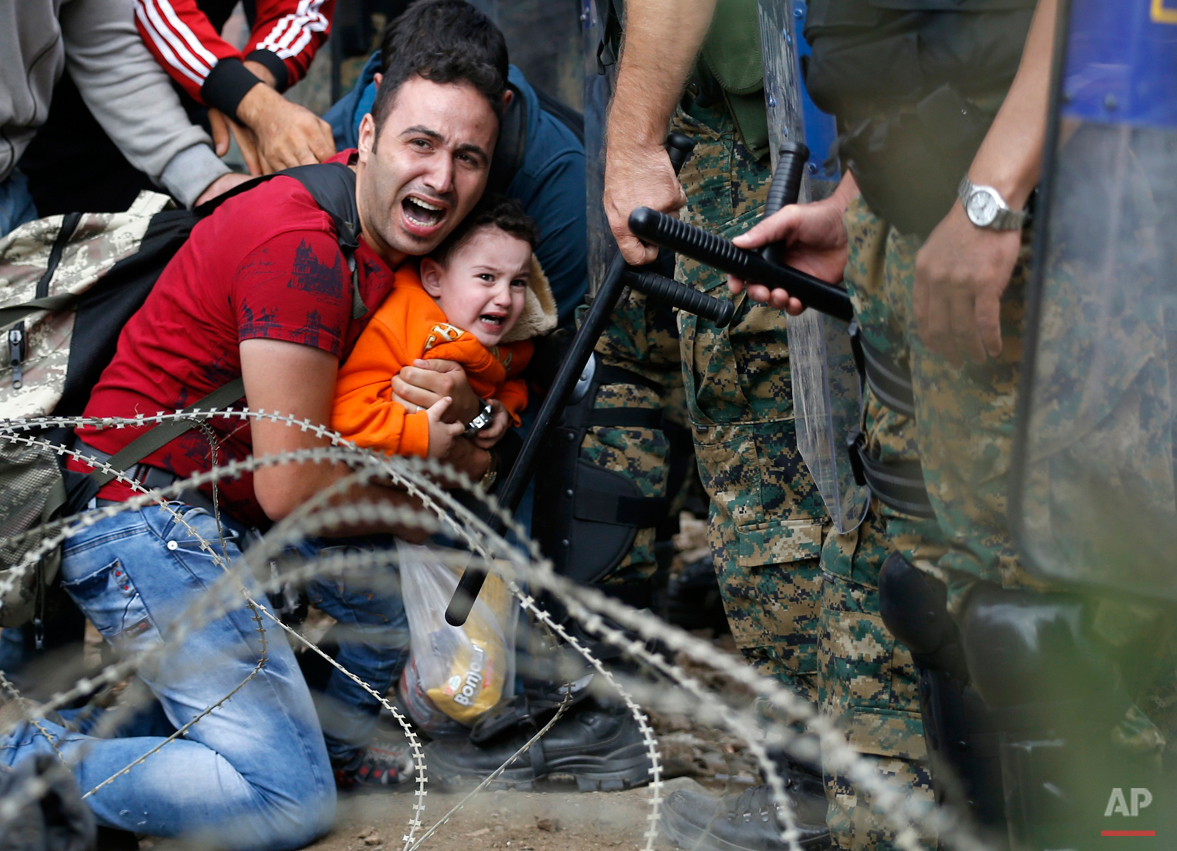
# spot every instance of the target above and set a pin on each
(600, 69)
(1092, 497)
(826, 399)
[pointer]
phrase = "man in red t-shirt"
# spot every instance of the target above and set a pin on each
(261, 290)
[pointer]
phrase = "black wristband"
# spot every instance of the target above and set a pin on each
(226, 84)
(274, 64)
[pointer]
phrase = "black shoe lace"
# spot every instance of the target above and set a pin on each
(751, 802)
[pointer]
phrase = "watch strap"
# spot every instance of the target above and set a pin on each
(482, 419)
(1006, 219)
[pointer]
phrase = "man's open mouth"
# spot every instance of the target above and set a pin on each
(422, 213)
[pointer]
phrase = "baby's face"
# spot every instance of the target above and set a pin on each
(482, 286)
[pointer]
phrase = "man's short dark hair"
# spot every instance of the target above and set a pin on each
(444, 41)
(496, 211)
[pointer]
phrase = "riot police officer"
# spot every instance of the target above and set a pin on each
(743, 422)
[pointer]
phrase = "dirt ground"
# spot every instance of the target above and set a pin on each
(552, 820)
(556, 816)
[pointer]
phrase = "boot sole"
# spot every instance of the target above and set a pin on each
(626, 768)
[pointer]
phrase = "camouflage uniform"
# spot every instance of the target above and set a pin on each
(766, 518)
(963, 436)
(868, 680)
(801, 612)
(964, 417)
(790, 619)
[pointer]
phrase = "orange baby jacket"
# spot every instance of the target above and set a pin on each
(409, 325)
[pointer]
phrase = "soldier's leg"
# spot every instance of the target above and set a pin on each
(766, 518)
(869, 684)
(890, 438)
(1051, 664)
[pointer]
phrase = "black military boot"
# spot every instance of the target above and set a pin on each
(600, 747)
(692, 599)
(749, 821)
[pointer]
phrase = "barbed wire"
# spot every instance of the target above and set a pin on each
(521, 560)
(490, 778)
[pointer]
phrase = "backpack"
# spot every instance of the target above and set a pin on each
(68, 285)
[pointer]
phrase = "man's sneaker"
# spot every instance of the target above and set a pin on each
(378, 766)
(601, 748)
(749, 821)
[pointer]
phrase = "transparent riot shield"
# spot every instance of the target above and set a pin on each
(1093, 498)
(598, 88)
(826, 400)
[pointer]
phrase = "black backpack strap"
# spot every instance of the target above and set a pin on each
(511, 146)
(159, 436)
(333, 186)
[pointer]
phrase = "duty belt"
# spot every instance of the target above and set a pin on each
(898, 484)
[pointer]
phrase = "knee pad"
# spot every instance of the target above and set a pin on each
(1057, 692)
(587, 517)
(914, 608)
(960, 732)
(1024, 647)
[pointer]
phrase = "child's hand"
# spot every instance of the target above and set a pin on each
(441, 434)
(494, 432)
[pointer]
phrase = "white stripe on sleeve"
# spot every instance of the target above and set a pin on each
(162, 45)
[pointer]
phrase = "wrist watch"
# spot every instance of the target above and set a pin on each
(483, 419)
(987, 209)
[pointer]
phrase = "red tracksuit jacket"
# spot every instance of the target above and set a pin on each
(185, 37)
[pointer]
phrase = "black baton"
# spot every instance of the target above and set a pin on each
(715, 251)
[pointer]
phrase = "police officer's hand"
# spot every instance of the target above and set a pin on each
(638, 176)
(960, 274)
(816, 242)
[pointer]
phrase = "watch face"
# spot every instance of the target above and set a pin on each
(982, 208)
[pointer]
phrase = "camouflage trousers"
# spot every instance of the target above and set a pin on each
(766, 518)
(963, 435)
(964, 418)
(804, 615)
(868, 684)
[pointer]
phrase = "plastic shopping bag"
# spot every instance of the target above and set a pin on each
(464, 670)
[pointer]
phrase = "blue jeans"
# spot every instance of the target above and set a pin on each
(373, 637)
(16, 202)
(253, 774)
